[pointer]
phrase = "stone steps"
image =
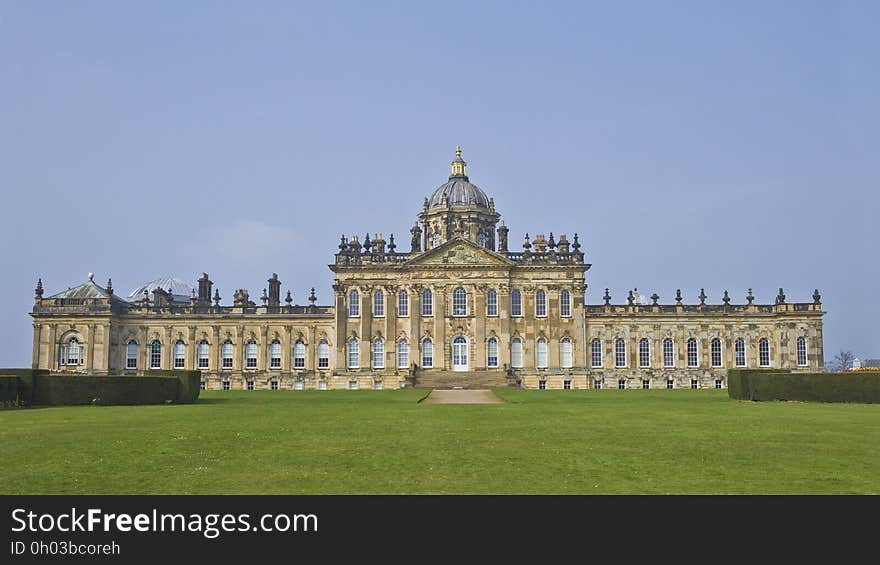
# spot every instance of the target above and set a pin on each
(463, 380)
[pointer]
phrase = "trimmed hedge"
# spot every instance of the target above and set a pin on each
(9, 390)
(758, 384)
(38, 387)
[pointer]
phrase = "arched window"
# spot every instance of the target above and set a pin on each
(459, 302)
(427, 353)
(402, 354)
(801, 351)
(427, 302)
(155, 355)
(379, 304)
(179, 354)
(516, 353)
(354, 304)
(403, 304)
(565, 353)
(668, 353)
(203, 354)
(515, 303)
(596, 352)
(540, 303)
(323, 354)
(644, 352)
(71, 353)
(740, 352)
(541, 353)
(619, 352)
(492, 352)
(435, 240)
(250, 355)
(378, 353)
(353, 353)
(275, 355)
(227, 354)
(481, 239)
(131, 355)
(715, 349)
(565, 303)
(693, 358)
(299, 354)
(491, 302)
(764, 352)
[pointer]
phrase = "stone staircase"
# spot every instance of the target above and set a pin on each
(470, 380)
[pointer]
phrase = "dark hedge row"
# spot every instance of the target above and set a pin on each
(757, 384)
(39, 388)
(9, 391)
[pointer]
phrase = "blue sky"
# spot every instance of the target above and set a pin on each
(716, 145)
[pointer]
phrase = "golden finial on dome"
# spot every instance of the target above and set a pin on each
(459, 166)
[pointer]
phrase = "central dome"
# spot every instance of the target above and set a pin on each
(458, 190)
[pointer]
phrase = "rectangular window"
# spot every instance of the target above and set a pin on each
(352, 385)
(668, 353)
(565, 304)
(764, 352)
(492, 353)
(566, 358)
(716, 352)
(377, 385)
(695, 383)
(566, 385)
(542, 385)
(299, 355)
(515, 303)
(491, 302)
(402, 355)
(717, 383)
(670, 384)
(274, 355)
(227, 355)
(323, 354)
(322, 385)
(202, 385)
(427, 353)
(427, 302)
(693, 359)
(802, 351)
(379, 304)
(646, 384)
(597, 384)
(403, 304)
(596, 353)
(644, 353)
(540, 304)
(225, 385)
(298, 385)
(250, 385)
(740, 351)
(203, 356)
(273, 385)
(621, 384)
(620, 353)
(516, 353)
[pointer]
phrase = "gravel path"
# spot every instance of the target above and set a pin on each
(462, 397)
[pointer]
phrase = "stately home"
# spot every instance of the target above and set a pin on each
(458, 309)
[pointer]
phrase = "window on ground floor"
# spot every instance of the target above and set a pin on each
(250, 385)
(695, 383)
(225, 385)
(717, 383)
(542, 385)
(273, 385)
(597, 384)
(646, 384)
(621, 384)
(670, 383)
(566, 384)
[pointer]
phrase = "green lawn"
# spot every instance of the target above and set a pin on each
(683, 441)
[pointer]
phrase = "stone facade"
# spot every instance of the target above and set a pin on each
(458, 308)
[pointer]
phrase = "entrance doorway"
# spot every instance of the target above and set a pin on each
(460, 354)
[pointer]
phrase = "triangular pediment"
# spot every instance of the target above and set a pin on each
(460, 252)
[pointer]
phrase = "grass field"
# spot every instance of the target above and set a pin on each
(341, 442)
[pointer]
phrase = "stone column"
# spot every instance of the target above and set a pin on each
(35, 354)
